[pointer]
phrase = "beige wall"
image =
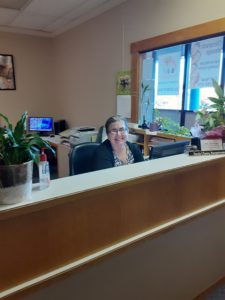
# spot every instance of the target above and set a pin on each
(33, 70)
(72, 76)
(88, 58)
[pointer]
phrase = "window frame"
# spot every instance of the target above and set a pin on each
(186, 35)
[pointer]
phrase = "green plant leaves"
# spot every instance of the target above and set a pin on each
(7, 121)
(218, 89)
(16, 146)
(170, 126)
(214, 114)
(19, 131)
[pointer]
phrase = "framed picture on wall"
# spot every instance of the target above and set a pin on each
(7, 72)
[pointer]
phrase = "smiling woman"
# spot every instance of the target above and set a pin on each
(116, 150)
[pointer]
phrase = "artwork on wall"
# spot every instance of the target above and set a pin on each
(7, 72)
(123, 91)
(123, 83)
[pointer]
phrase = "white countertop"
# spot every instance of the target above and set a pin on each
(79, 183)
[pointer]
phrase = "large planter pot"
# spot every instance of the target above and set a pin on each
(16, 183)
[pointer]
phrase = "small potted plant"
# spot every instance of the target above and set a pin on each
(212, 117)
(156, 122)
(18, 151)
(170, 126)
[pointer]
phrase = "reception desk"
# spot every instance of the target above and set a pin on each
(83, 218)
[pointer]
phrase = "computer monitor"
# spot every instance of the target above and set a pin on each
(42, 125)
(168, 149)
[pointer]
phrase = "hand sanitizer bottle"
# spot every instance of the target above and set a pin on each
(44, 175)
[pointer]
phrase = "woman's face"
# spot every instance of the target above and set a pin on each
(117, 133)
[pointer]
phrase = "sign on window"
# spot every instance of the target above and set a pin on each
(205, 62)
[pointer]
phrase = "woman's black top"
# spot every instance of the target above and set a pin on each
(103, 157)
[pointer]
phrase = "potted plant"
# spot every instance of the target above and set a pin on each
(170, 126)
(18, 151)
(212, 117)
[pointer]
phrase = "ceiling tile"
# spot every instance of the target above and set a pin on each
(7, 16)
(51, 16)
(58, 8)
(32, 21)
(59, 23)
(13, 4)
(83, 9)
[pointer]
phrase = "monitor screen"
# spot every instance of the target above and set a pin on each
(168, 149)
(40, 124)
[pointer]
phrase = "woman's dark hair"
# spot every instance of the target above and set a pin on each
(114, 119)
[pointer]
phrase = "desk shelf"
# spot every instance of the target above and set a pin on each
(147, 137)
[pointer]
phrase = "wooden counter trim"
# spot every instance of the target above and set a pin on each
(80, 225)
(28, 287)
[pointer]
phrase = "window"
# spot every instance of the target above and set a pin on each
(205, 61)
(169, 77)
(180, 77)
(174, 72)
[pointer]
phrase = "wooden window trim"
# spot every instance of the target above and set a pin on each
(172, 38)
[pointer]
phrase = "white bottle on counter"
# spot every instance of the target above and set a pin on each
(44, 174)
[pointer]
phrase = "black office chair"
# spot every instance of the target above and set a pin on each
(101, 136)
(81, 158)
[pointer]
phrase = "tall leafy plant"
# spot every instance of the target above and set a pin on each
(145, 101)
(17, 146)
(213, 115)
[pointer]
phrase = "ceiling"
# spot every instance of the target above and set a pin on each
(49, 17)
